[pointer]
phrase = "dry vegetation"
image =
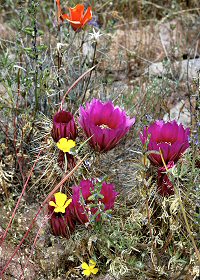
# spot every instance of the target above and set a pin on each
(147, 62)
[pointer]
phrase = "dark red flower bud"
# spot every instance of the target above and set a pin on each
(71, 161)
(62, 224)
(63, 126)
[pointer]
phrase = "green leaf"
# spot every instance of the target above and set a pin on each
(92, 197)
(29, 30)
(40, 32)
(28, 50)
(100, 195)
(42, 47)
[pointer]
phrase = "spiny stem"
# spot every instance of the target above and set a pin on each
(59, 38)
(35, 51)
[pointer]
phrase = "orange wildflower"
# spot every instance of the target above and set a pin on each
(78, 18)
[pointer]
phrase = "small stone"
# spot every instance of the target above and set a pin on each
(179, 113)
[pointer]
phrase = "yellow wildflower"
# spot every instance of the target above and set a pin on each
(60, 203)
(65, 145)
(89, 269)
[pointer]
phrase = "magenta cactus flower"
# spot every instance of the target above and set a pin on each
(104, 123)
(61, 221)
(63, 126)
(171, 138)
(81, 202)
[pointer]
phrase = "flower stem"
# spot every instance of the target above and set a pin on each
(74, 84)
(35, 51)
(65, 155)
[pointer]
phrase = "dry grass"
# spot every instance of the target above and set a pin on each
(147, 236)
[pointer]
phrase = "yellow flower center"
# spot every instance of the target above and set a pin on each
(66, 145)
(60, 203)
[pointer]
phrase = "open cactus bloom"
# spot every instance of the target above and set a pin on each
(63, 126)
(104, 124)
(78, 18)
(170, 138)
(83, 198)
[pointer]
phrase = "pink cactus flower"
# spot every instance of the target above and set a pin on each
(105, 124)
(171, 138)
(81, 204)
(63, 126)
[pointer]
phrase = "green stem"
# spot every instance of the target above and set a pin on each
(36, 93)
(65, 155)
